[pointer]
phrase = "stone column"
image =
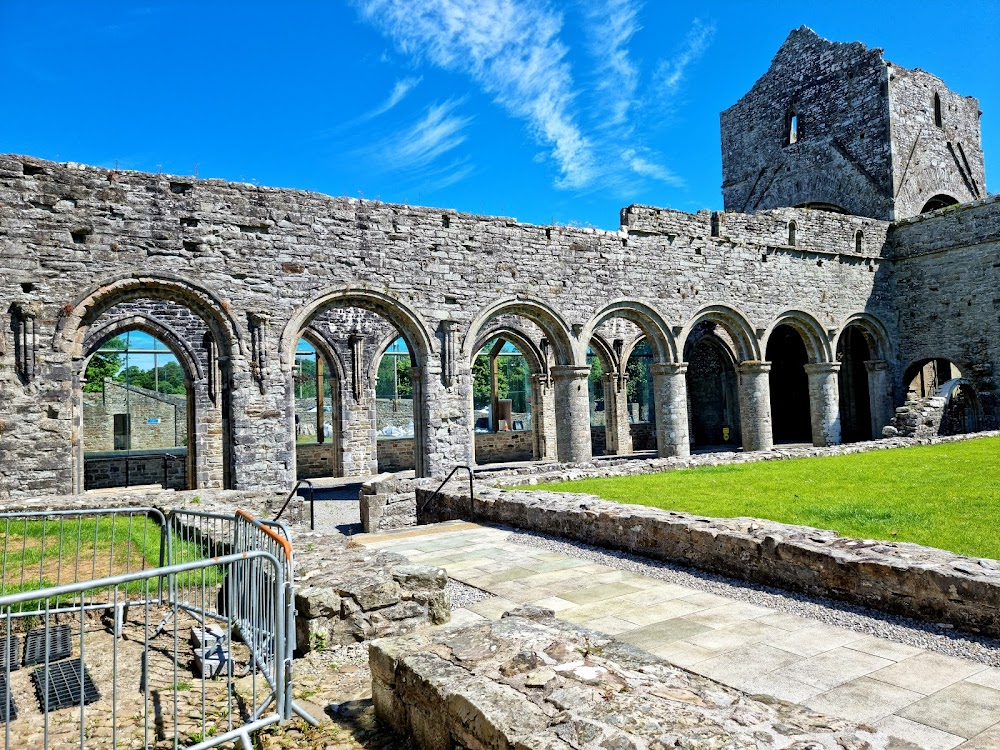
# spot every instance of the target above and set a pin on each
(543, 418)
(879, 395)
(755, 405)
(670, 402)
(824, 403)
(616, 425)
(572, 409)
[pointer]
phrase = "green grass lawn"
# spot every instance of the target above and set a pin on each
(945, 496)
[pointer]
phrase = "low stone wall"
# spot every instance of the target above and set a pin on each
(388, 502)
(896, 577)
(507, 445)
(344, 594)
(540, 683)
(315, 460)
(396, 454)
(110, 470)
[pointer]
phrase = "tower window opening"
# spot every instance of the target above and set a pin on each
(791, 127)
(858, 240)
(791, 233)
(937, 110)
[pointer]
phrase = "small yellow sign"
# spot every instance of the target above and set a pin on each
(725, 434)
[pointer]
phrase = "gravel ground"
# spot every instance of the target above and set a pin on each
(462, 594)
(339, 514)
(939, 638)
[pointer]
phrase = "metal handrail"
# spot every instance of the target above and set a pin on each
(312, 502)
(437, 492)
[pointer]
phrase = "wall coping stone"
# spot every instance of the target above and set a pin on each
(530, 681)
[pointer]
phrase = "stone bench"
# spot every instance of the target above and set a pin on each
(531, 682)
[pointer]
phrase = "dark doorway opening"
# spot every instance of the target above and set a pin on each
(855, 397)
(789, 386)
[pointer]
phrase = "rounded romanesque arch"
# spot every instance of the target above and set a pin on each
(559, 393)
(814, 337)
(649, 321)
(362, 323)
(197, 328)
(874, 331)
(545, 317)
(76, 318)
(863, 349)
(735, 323)
(409, 324)
(939, 200)
(797, 348)
(531, 352)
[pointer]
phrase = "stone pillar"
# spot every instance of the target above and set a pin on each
(616, 425)
(543, 418)
(824, 403)
(879, 395)
(572, 409)
(755, 405)
(670, 402)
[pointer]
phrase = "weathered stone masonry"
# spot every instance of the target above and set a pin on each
(231, 275)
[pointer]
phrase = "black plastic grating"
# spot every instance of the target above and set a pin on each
(8, 711)
(64, 685)
(59, 645)
(10, 656)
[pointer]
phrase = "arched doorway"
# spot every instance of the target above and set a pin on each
(712, 387)
(853, 352)
(789, 386)
(137, 414)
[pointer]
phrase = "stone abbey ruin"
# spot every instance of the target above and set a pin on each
(851, 272)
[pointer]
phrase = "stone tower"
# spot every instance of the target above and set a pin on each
(836, 126)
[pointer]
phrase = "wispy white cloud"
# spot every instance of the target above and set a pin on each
(642, 165)
(512, 50)
(670, 73)
(403, 87)
(435, 134)
(425, 152)
(610, 26)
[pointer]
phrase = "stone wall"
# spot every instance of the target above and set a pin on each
(946, 276)
(103, 471)
(157, 420)
(866, 139)
(894, 577)
(314, 460)
(251, 268)
(531, 681)
(507, 445)
(395, 454)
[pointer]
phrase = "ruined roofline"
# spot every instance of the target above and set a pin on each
(115, 175)
(809, 35)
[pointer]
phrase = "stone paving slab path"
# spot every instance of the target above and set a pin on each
(937, 702)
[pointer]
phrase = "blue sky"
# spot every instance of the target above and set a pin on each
(549, 112)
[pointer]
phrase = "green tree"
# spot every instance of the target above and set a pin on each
(104, 364)
(392, 381)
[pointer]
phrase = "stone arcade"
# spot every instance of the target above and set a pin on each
(838, 278)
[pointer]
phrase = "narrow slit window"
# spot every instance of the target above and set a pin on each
(791, 127)
(791, 233)
(859, 238)
(937, 110)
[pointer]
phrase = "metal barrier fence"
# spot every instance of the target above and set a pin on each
(195, 651)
